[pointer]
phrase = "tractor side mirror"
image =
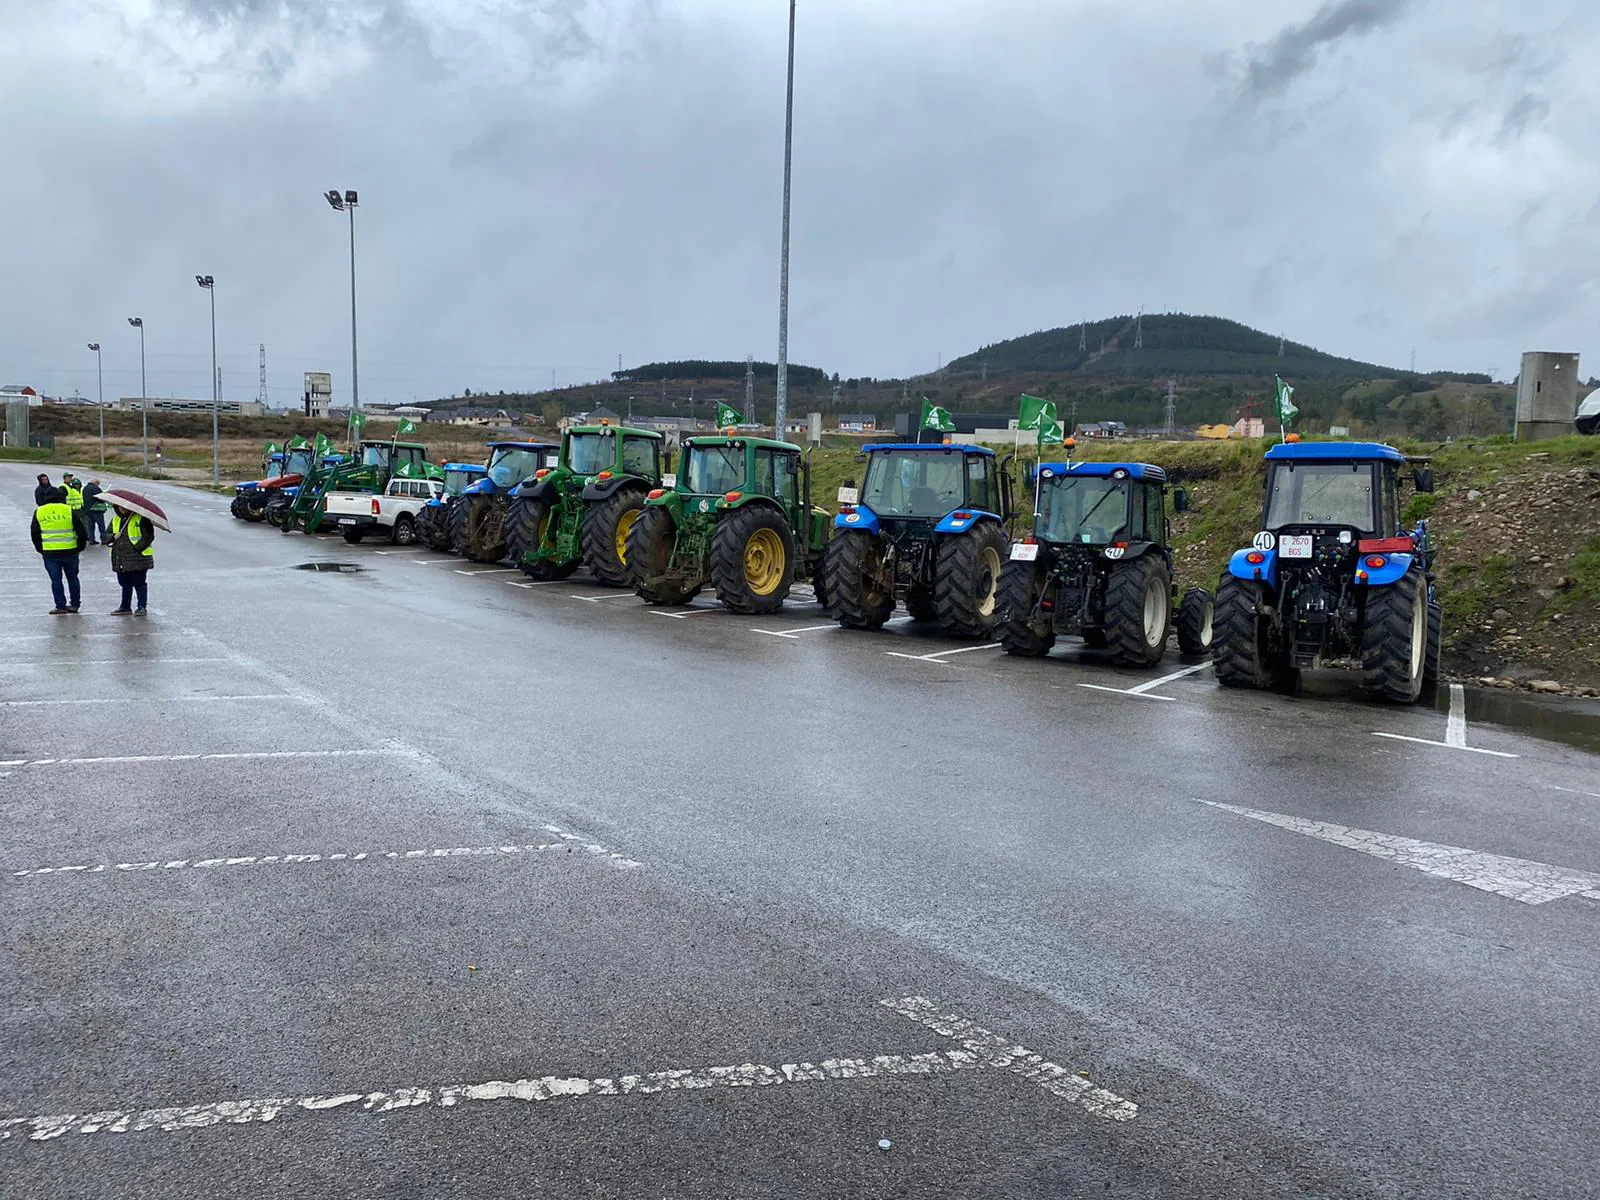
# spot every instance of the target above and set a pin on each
(1180, 500)
(861, 457)
(1424, 479)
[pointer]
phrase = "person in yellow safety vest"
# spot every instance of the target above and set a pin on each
(59, 535)
(69, 485)
(132, 555)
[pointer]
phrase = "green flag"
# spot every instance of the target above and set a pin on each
(272, 448)
(728, 415)
(322, 446)
(299, 443)
(405, 471)
(1051, 431)
(1287, 412)
(406, 426)
(936, 418)
(1030, 415)
(432, 471)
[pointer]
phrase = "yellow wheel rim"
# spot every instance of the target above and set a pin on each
(625, 523)
(763, 562)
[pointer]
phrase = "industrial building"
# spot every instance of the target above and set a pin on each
(227, 408)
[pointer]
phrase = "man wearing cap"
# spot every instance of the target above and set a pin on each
(94, 510)
(59, 535)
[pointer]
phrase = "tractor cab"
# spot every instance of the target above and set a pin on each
(509, 464)
(1102, 505)
(721, 473)
(457, 476)
(919, 485)
(591, 449)
(388, 457)
(274, 465)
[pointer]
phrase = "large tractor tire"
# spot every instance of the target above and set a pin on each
(523, 527)
(458, 527)
(819, 578)
(1430, 667)
(237, 507)
(920, 606)
(605, 535)
(752, 559)
(1139, 611)
(255, 510)
(405, 531)
(852, 565)
(650, 544)
(966, 580)
(1196, 618)
(486, 539)
(1240, 649)
(1022, 631)
(1394, 639)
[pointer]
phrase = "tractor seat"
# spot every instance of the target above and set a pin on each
(923, 502)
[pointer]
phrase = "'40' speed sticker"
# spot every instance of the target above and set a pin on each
(1263, 541)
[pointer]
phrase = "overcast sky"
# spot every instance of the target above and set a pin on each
(547, 184)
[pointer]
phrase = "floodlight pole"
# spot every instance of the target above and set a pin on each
(783, 270)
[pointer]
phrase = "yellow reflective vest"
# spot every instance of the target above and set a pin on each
(74, 496)
(135, 527)
(56, 532)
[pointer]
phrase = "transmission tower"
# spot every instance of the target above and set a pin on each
(1138, 331)
(749, 387)
(1172, 407)
(835, 395)
(261, 396)
(1083, 337)
(1280, 345)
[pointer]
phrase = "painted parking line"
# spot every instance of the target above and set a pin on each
(794, 633)
(939, 656)
(1520, 879)
(131, 759)
(688, 612)
(494, 571)
(149, 700)
(598, 599)
(1400, 737)
(1145, 691)
(977, 1049)
(568, 842)
(532, 583)
(72, 636)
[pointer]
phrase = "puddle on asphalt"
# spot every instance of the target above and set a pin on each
(1570, 720)
(349, 568)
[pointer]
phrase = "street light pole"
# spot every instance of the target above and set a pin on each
(144, 392)
(100, 378)
(783, 271)
(346, 202)
(210, 286)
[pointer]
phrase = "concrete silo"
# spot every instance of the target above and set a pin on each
(1547, 395)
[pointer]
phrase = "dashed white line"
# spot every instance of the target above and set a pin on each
(174, 758)
(1400, 737)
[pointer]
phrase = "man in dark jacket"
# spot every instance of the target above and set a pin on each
(43, 489)
(94, 510)
(59, 535)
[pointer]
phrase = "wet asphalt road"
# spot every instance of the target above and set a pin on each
(695, 854)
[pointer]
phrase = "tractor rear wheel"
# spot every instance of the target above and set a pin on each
(920, 605)
(456, 528)
(523, 527)
(752, 559)
(1196, 614)
(605, 535)
(854, 564)
(1430, 667)
(486, 541)
(1240, 652)
(533, 518)
(966, 580)
(651, 541)
(1394, 639)
(1022, 631)
(405, 530)
(1138, 611)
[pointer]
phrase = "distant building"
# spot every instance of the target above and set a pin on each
(14, 392)
(967, 423)
(1250, 427)
(1101, 429)
(410, 412)
(858, 422)
(1547, 395)
(227, 408)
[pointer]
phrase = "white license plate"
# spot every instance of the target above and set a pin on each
(849, 495)
(1295, 547)
(1025, 551)
(347, 520)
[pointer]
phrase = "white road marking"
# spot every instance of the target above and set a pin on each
(170, 758)
(938, 656)
(103, 662)
(980, 1049)
(598, 599)
(1518, 879)
(1572, 791)
(533, 583)
(569, 842)
(1144, 690)
(494, 571)
(793, 633)
(692, 612)
(1400, 737)
(151, 700)
(1455, 729)
(1100, 687)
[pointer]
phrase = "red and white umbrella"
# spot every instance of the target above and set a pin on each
(134, 502)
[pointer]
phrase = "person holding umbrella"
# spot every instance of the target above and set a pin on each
(133, 535)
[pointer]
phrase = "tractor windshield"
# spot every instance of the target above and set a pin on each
(915, 484)
(275, 467)
(1084, 508)
(374, 456)
(510, 465)
(590, 453)
(1317, 493)
(298, 462)
(455, 481)
(708, 470)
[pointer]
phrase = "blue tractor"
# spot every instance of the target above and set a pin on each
(433, 521)
(927, 529)
(1098, 564)
(249, 500)
(478, 520)
(1333, 578)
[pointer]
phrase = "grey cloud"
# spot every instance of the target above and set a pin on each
(1527, 110)
(1273, 67)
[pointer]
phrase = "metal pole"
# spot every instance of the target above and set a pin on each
(216, 394)
(100, 378)
(783, 271)
(144, 403)
(355, 385)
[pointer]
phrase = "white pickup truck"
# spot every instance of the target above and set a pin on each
(393, 514)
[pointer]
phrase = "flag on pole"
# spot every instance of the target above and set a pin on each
(728, 415)
(1287, 412)
(358, 421)
(1051, 431)
(322, 446)
(272, 448)
(1030, 414)
(404, 471)
(935, 418)
(405, 426)
(299, 443)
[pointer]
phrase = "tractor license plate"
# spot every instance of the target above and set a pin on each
(1298, 546)
(849, 495)
(1025, 551)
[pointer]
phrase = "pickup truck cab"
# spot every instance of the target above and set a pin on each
(394, 513)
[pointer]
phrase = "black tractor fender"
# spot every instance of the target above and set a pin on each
(601, 489)
(544, 492)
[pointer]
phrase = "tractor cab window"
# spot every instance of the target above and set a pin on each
(1389, 509)
(1083, 508)
(375, 456)
(589, 453)
(639, 456)
(455, 481)
(786, 479)
(915, 484)
(708, 470)
(510, 465)
(1149, 519)
(981, 483)
(1313, 493)
(298, 462)
(275, 467)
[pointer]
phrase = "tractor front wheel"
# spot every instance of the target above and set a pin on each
(1240, 650)
(237, 507)
(966, 580)
(854, 566)
(605, 535)
(651, 542)
(1138, 611)
(1022, 630)
(1394, 639)
(1196, 615)
(752, 559)
(456, 528)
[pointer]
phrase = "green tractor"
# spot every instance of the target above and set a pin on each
(739, 518)
(581, 509)
(374, 463)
